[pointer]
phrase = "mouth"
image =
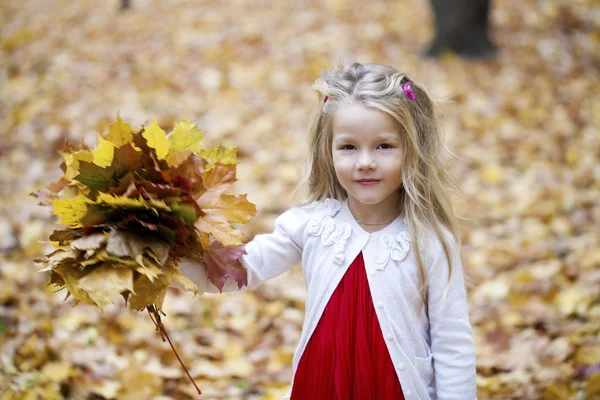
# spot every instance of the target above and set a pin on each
(368, 181)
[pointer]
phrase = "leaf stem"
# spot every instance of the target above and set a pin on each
(155, 317)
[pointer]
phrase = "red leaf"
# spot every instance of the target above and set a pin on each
(222, 264)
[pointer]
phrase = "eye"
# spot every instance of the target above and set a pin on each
(388, 146)
(347, 147)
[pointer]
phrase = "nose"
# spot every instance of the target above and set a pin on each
(365, 161)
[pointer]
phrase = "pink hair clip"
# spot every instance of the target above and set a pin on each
(325, 101)
(407, 88)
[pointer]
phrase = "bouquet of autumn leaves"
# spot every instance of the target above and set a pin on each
(134, 206)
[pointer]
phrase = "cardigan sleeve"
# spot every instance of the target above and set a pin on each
(450, 329)
(267, 255)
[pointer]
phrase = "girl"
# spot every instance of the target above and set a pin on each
(386, 312)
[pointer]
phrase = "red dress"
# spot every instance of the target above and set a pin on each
(346, 357)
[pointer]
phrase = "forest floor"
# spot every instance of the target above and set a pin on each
(524, 127)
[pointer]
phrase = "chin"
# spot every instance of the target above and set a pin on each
(369, 201)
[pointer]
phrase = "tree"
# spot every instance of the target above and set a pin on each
(461, 26)
(125, 4)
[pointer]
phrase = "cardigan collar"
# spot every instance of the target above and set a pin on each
(334, 224)
(347, 216)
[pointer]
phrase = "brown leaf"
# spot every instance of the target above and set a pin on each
(148, 292)
(65, 236)
(105, 283)
(129, 244)
(89, 242)
(220, 177)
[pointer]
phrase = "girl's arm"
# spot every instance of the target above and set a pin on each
(451, 333)
(268, 255)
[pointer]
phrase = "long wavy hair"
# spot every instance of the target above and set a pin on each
(424, 194)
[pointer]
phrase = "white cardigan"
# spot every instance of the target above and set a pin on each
(433, 351)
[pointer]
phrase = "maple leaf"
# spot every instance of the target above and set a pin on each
(191, 172)
(160, 190)
(72, 162)
(58, 257)
(233, 208)
(146, 291)
(71, 211)
(95, 177)
(186, 137)
(217, 225)
(50, 192)
(220, 154)
(184, 140)
(157, 140)
(126, 159)
(187, 211)
(219, 178)
(105, 283)
(129, 203)
(119, 133)
(71, 275)
(148, 265)
(93, 241)
(223, 264)
(65, 236)
(104, 153)
(129, 244)
(130, 221)
(97, 215)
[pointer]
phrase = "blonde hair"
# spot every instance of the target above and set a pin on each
(424, 193)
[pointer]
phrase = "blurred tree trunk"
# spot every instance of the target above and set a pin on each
(462, 26)
(125, 4)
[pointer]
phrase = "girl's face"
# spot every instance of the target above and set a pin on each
(367, 157)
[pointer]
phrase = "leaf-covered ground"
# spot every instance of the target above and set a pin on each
(524, 127)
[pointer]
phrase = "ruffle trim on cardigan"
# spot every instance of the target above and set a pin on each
(395, 246)
(392, 247)
(322, 224)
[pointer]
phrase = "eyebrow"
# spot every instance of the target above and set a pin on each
(383, 136)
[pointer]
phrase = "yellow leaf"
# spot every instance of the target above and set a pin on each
(573, 300)
(57, 371)
(186, 137)
(559, 391)
(240, 366)
(234, 208)
(71, 211)
(220, 212)
(589, 355)
(221, 154)
(157, 140)
(593, 385)
(174, 159)
(218, 226)
(104, 153)
(71, 276)
(106, 388)
(147, 267)
(106, 282)
(141, 383)
(188, 284)
(492, 174)
(119, 133)
(72, 162)
(120, 201)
